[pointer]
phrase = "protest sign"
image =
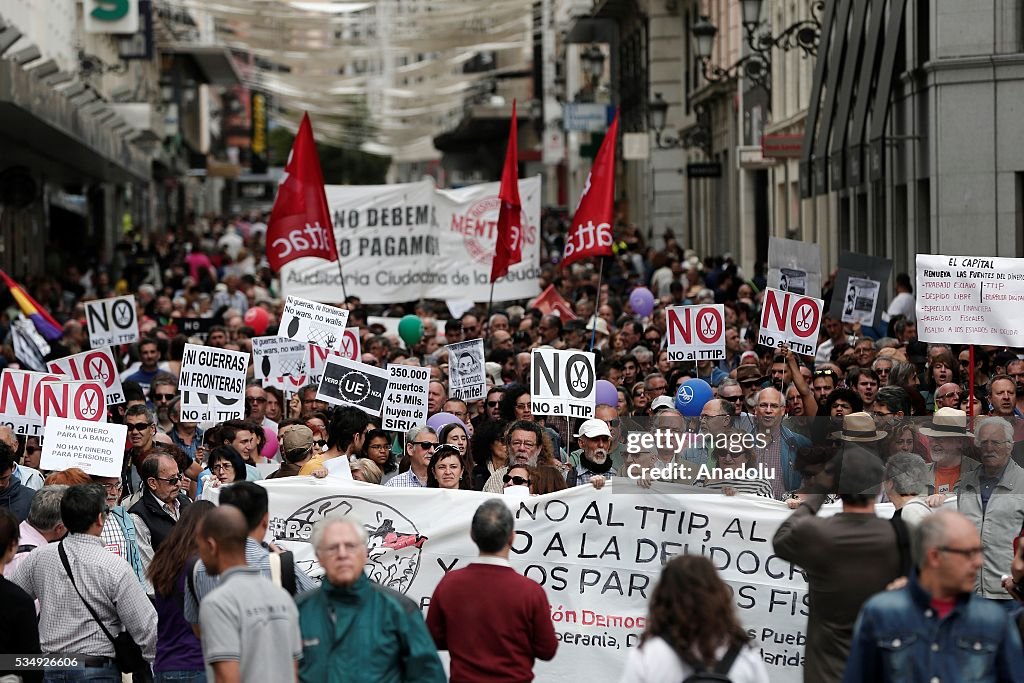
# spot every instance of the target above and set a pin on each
(313, 322)
(406, 404)
(279, 361)
(466, 378)
(970, 300)
(597, 554)
(97, 365)
(563, 383)
(794, 266)
(696, 332)
(350, 346)
(191, 327)
(408, 241)
(212, 384)
(112, 321)
(29, 399)
(861, 302)
(348, 383)
(96, 448)
(791, 319)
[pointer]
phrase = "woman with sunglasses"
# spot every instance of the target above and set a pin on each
(516, 479)
(639, 399)
(446, 470)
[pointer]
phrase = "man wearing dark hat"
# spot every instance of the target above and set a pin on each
(847, 557)
(948, 440)
(296, 450)
(750, 379)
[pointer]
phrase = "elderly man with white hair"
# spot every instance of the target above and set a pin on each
(992, 497)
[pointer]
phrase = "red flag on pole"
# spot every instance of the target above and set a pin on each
(509, 247)
(300, 222)
(591, 230)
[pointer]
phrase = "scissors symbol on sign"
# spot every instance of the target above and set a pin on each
(97, 370)
(708, 324)
(577, 375)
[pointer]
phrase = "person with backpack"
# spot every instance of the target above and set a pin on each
(179, 654)
(252, 500)
(693, 633)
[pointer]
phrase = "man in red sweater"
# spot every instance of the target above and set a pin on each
(492, 621)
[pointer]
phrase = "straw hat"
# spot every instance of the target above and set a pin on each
(947, 422)
(859, 427)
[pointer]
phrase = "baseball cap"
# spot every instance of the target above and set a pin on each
(593, 428)
(662, 402)
(295, 438)
(748, 373)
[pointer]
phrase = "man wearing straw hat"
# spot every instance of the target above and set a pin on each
(859, 428)
(948, 440)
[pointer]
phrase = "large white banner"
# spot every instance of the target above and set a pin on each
(598, 555)
(970, 300)
(410, 241)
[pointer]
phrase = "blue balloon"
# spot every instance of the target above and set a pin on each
(691, 397)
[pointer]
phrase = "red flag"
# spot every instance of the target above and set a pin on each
(509, 248)
(591, 231)
(300, 222)
(550, 301)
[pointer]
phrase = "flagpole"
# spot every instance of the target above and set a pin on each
(344, 294)
(597, 303)
(490, 310)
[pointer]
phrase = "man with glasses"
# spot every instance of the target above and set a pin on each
(492, 406)
(655, 385)
(716, 418)
(524, 441)
(731, 392)
(141, 423)
(948, 395)
(419, 446)
(780, 442)
(948, 440)
(159, 508)
(118, 535)
(865, 351)
(470, 326)
(750, 379)
(550, 330)
(26, 471)
(616, 449)
(162, 391)
(458, 408)
(991, 497)
(952, 627)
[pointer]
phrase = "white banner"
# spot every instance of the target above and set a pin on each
(970, 300)
(696, 332)
(96, 448)
(212, 384)
(29, 399)
(280, 362)
(406, 404)
(313, 322)
(466, 377)
(97, 365)
(409, 241)
(597, 554)
(112, 321)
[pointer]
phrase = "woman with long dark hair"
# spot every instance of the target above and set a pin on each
(179, 654)
(692, 625)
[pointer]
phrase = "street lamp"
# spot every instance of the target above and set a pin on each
(697, 137)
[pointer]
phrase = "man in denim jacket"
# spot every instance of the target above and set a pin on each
(935, 628)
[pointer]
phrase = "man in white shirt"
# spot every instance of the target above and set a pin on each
(903, 302)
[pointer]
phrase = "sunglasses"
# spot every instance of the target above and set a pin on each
(517, 480)
(493, 404)
(429, 445)
(824, 373)
(138, 426)
(163, 397)
(732, 398)
(170, 480)
(29, 450)
(255, 399)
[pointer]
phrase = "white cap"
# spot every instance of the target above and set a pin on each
(593, 428)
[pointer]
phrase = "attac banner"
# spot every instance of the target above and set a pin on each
(29, 399)
(563, 383)
(970, 300)
(466, 370)
(112, 321)
(96, 448)
(212, 384)
(409, 241)
(597, 554)
(97, 365)
(790, 319)
(696, 333)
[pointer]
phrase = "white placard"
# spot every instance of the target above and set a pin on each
(794, 266)
(860, 301)
(970, 300)
(212, 384)
(790, 319)
(696, 332)
(29, 399)
(313, 322)
(279, 361)
(466, 378)
(97, 365)
(112, 321)
(96, 448)
(348, 383)
(405, 406)
(563, 383)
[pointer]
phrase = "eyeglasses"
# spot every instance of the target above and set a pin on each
(517, 480)
(522, 444)
(733, 399)
(769, 406)
(222, 467)
(612, 423)
(638, 393)
(163, 398)
(992, 443)
(951, 394)
(29, 450)
(708, 417)
(429, 445)
(255, 399)
(748, 383)
(963, 552)
(112, 487)
(138, 426)
(493, 404)
(523, 405)
(170, 480)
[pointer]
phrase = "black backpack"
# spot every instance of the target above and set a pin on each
(720, 674)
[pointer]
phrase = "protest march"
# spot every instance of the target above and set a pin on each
(411, 433)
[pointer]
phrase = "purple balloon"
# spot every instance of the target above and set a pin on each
(438, 420)
(642, 301)
(607, 393)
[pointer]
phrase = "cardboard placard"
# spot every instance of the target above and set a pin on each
(348, 383)
(313, 322)
(97, 365)
(563, 383)
(212, 384)
(790, 319)
(29, 399)
(466, 378)
(112, 321)
(406, 404)
(696, 332)
(96, 448)
(278, 361)
(794, 266)
(856, 308)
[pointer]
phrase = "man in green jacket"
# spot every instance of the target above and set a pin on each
(354, 630)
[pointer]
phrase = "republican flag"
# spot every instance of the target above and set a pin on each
(509, 247)
(44, 322)
(300, 222)
(591, 231)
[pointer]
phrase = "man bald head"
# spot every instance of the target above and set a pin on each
(221, 537)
